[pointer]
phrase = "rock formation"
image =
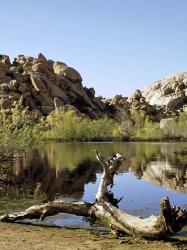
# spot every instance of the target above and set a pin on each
(135, 103)
(163, 99)
(44, 84)
(170, 92)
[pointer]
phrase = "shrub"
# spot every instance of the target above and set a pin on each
(69, 126)
(182, 125)
(146, 130)
(19, 130)
(150, 131)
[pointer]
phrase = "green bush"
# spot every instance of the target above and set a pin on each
(150, 131)
(19, 130)
(146, 130)
(69, 126)
(175, 128)
(182, 126)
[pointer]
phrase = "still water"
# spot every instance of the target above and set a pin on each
(149, 172)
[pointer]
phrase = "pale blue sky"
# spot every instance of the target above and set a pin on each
(116, 45)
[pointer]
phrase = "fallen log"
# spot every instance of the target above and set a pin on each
(168, 222)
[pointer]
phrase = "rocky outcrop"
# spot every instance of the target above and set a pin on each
(170, 92)
(139, 104)
(135, 103)
(44, 84)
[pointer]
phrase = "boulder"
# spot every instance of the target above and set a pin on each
(46, 110)
(4, 69)
(170, 92)
(2, 74)
(14, 85)
(26, 94)
(4, 87)
(22, 88)
(68, 72)
(90, 92)
(37, 82)
(5, 104)
(139, 104)
(54, 89)
(59, 67)
(5, 60)
(43, 99)
(42, 58)
(14, 96)
(72, 74)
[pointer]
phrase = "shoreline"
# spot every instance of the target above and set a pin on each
(20, 236)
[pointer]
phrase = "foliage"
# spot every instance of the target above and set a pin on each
(182, 125)
(145, 129)
(20, 130)
(69, 126)
(176, 127)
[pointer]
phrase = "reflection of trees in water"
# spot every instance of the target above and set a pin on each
(64, 169)
(35, 177)
(7, 178)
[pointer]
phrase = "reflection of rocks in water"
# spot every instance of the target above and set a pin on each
(164, 174)
(158, 163)
(38, 177)
(65, 168)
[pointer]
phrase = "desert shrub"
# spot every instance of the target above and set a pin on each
(19, 130)
(150, 131)
(146, 130)
(175, 128)
(126, 125)
(69, 126)
(182, 125)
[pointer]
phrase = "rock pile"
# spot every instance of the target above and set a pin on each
(139, 104)
(44, 84)
(170, 92)
(135, 103)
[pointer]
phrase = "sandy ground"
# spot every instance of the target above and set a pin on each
(17, 236)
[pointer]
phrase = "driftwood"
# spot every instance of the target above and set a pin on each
(169, 221)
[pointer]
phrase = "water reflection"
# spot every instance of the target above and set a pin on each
(154, 162)
(70, 170)
(36, 177)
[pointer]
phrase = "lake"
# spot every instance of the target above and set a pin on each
(70, 171)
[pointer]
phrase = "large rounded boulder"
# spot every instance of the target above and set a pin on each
(170, 92)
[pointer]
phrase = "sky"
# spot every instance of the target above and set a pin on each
(118, 46)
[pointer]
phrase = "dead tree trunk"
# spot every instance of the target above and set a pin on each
(169, 221)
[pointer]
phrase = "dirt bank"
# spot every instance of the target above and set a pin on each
(16, 236)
